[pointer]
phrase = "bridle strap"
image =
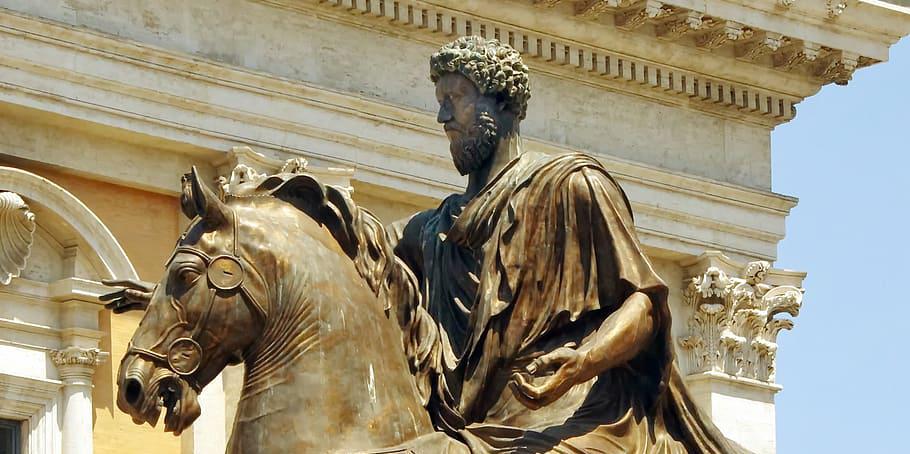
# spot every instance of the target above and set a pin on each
(199, 327)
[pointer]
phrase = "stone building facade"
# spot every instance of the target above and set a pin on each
(104, 104)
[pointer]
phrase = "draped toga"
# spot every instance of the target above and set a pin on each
(540, 258)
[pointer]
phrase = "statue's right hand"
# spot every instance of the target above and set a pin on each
(136, 295)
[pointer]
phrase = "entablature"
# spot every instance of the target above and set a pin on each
(746, 60)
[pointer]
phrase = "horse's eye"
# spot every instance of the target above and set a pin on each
(188, 276)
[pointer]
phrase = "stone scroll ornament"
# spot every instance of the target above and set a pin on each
(736, 321)
(17, 233)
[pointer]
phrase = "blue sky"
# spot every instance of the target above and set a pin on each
(845, 365)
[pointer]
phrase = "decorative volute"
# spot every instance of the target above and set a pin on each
(17, 233)
(737, 313)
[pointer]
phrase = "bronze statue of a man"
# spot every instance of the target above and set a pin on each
(552, 329)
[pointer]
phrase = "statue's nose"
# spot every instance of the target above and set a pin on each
(444, 114)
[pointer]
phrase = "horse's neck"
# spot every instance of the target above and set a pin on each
(293, 329)
(330, 370)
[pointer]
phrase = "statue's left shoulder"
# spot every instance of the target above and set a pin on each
(581, 178)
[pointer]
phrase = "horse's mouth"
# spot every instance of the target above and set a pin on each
(144, 399)
(179, 402)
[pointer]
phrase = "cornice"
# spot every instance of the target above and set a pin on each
(861, 27)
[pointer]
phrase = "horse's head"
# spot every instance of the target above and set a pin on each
(204, 314)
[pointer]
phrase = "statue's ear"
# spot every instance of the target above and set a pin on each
(202, 202)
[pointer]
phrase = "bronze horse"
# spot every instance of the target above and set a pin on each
(294, 281)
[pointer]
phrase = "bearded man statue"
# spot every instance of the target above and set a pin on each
(547, 328)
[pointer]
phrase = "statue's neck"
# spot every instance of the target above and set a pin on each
(509, 148)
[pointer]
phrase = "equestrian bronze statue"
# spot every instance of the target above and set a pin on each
(521, 315)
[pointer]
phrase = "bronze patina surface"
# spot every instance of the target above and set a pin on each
(519, 316)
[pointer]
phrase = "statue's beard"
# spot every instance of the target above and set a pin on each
(471, 151)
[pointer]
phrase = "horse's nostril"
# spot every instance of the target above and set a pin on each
(133, 391)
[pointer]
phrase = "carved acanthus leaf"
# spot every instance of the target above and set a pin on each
(838, 68)
(785, 3)
(77, 356)
(797, 55)
(638, 16)
(676, 28)
(736, 320)
(765, 44)
(729, 31)
(835, 8)
(591, 9)
(17, 233)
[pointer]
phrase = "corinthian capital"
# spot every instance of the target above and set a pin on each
(78, 356)
(737, 313)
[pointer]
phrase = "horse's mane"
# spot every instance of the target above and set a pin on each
(366, 242)
(358, 232)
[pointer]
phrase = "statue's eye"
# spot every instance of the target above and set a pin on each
(187, 276)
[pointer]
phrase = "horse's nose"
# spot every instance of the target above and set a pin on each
(132, 391)
(135, 373)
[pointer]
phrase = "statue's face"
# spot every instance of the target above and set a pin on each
(470, 121)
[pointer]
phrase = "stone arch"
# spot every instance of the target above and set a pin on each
(107, 251)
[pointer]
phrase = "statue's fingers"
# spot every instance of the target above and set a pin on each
(118, 282)
(530, 390)
(128, 307)
(136, 295)
(113, 296)
(549, 362)
(520, 389)
(129, 283)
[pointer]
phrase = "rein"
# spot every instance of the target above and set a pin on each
(224, 275)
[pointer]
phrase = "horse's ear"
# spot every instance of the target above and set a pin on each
(187, 206)
(202, 201)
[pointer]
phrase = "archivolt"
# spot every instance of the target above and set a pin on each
(41, 191)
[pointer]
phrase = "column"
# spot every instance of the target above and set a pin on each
(76, 366)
